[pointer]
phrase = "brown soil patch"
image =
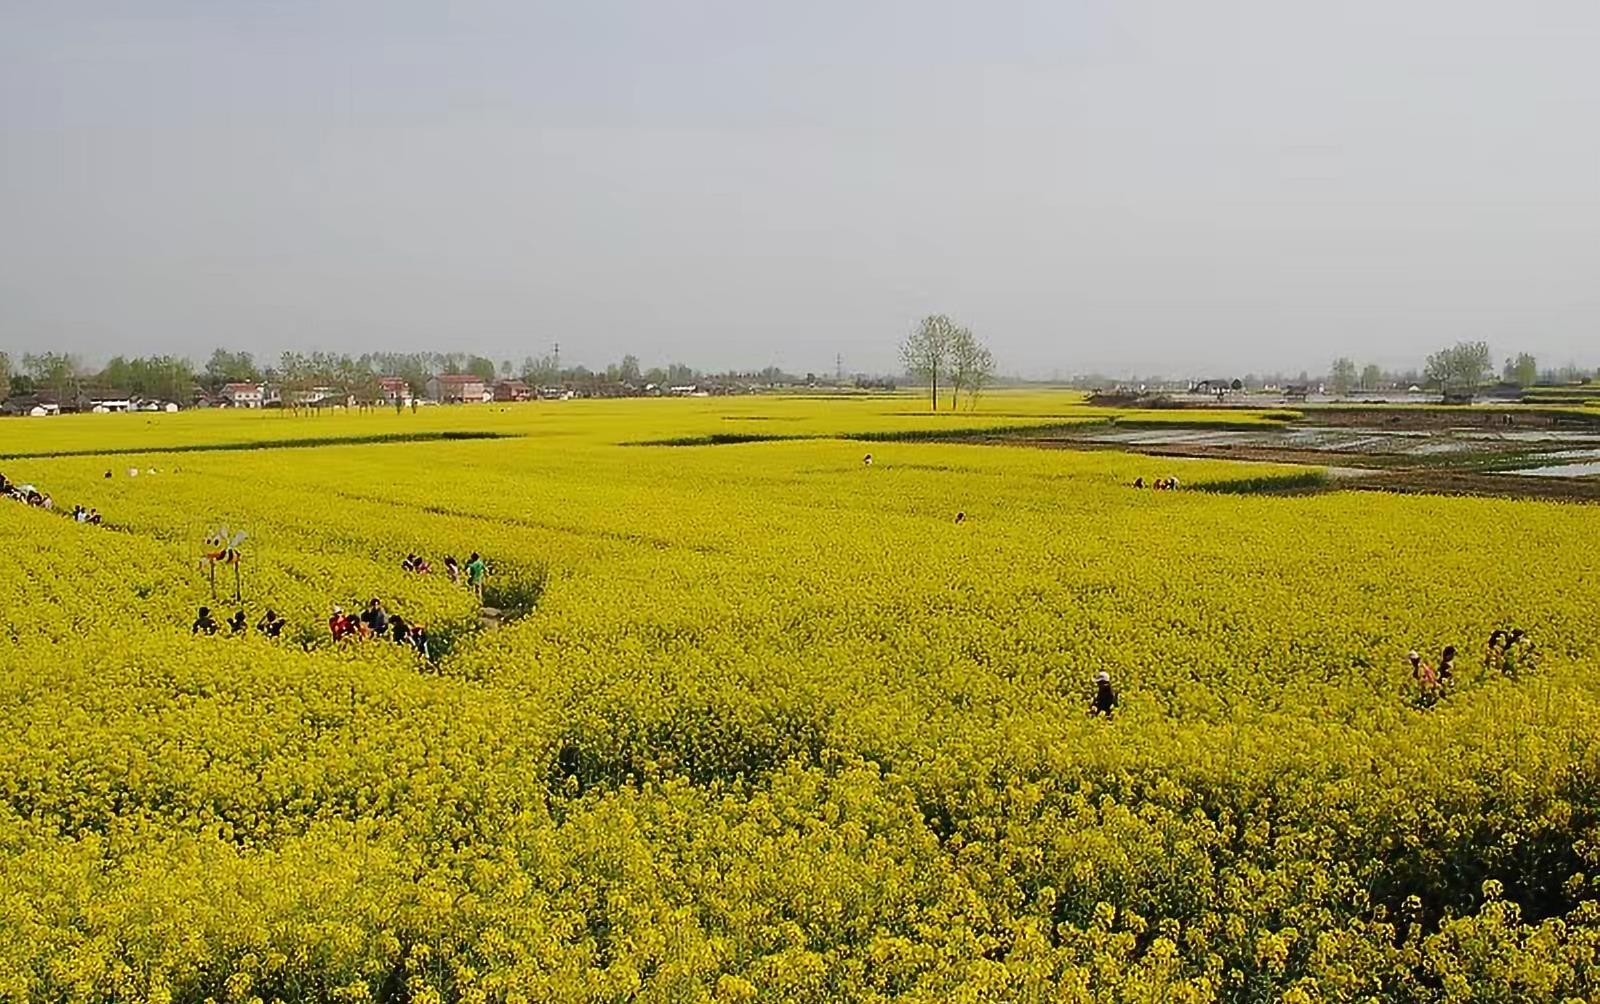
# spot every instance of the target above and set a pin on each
(1358, 471)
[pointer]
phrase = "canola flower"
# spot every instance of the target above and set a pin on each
(772, 726)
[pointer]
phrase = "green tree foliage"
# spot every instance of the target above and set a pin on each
(412, 367)
(540, 371)
(1342, 377)
(230, 367)
(167, 378)
(56, 372)
(1371, 377)
(1522, 371)
(1459, 369)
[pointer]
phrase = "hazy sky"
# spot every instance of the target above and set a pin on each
(1122, 185)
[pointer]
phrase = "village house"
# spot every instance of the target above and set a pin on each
(101, 401)
(394, 390)
(321, 396)
(511, 390)
(34, 405)
(456, 388)
(243, 395)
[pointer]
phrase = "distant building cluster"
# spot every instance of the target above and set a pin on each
(384, 391)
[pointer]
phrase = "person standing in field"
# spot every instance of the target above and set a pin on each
(452, 569)
(1491, 655)
(375, 618)
(1427, 679)
(1447, 667)
(1518, 653)
(339, 625)
(1105, 698)
(477, 571)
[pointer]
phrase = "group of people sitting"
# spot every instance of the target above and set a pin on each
(30, 495)
(27, 495)
(1159, 484)
(270, 623)
(376, 622)
(475, 570)
(372, 622)
(1508, 652)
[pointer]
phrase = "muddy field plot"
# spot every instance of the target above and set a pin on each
(1492, 452)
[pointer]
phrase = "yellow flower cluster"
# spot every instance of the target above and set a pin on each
(762, 722)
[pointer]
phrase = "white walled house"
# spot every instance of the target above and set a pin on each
(394, 390)
(243, 395)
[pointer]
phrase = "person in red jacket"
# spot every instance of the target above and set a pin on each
(340, 624)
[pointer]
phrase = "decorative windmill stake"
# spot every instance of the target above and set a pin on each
(221, 547)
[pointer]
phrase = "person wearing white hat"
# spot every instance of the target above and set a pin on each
(339, 625)
(1105, 698)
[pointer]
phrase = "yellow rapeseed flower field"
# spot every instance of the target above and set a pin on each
(760, 721)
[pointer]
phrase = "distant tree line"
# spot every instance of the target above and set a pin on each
(1459, 369)
(175, 378)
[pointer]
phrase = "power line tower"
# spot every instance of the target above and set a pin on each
(558, 360)
(838, 368)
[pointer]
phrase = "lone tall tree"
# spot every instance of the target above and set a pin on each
(971, 365)
(1342, 377)
(926, 351)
